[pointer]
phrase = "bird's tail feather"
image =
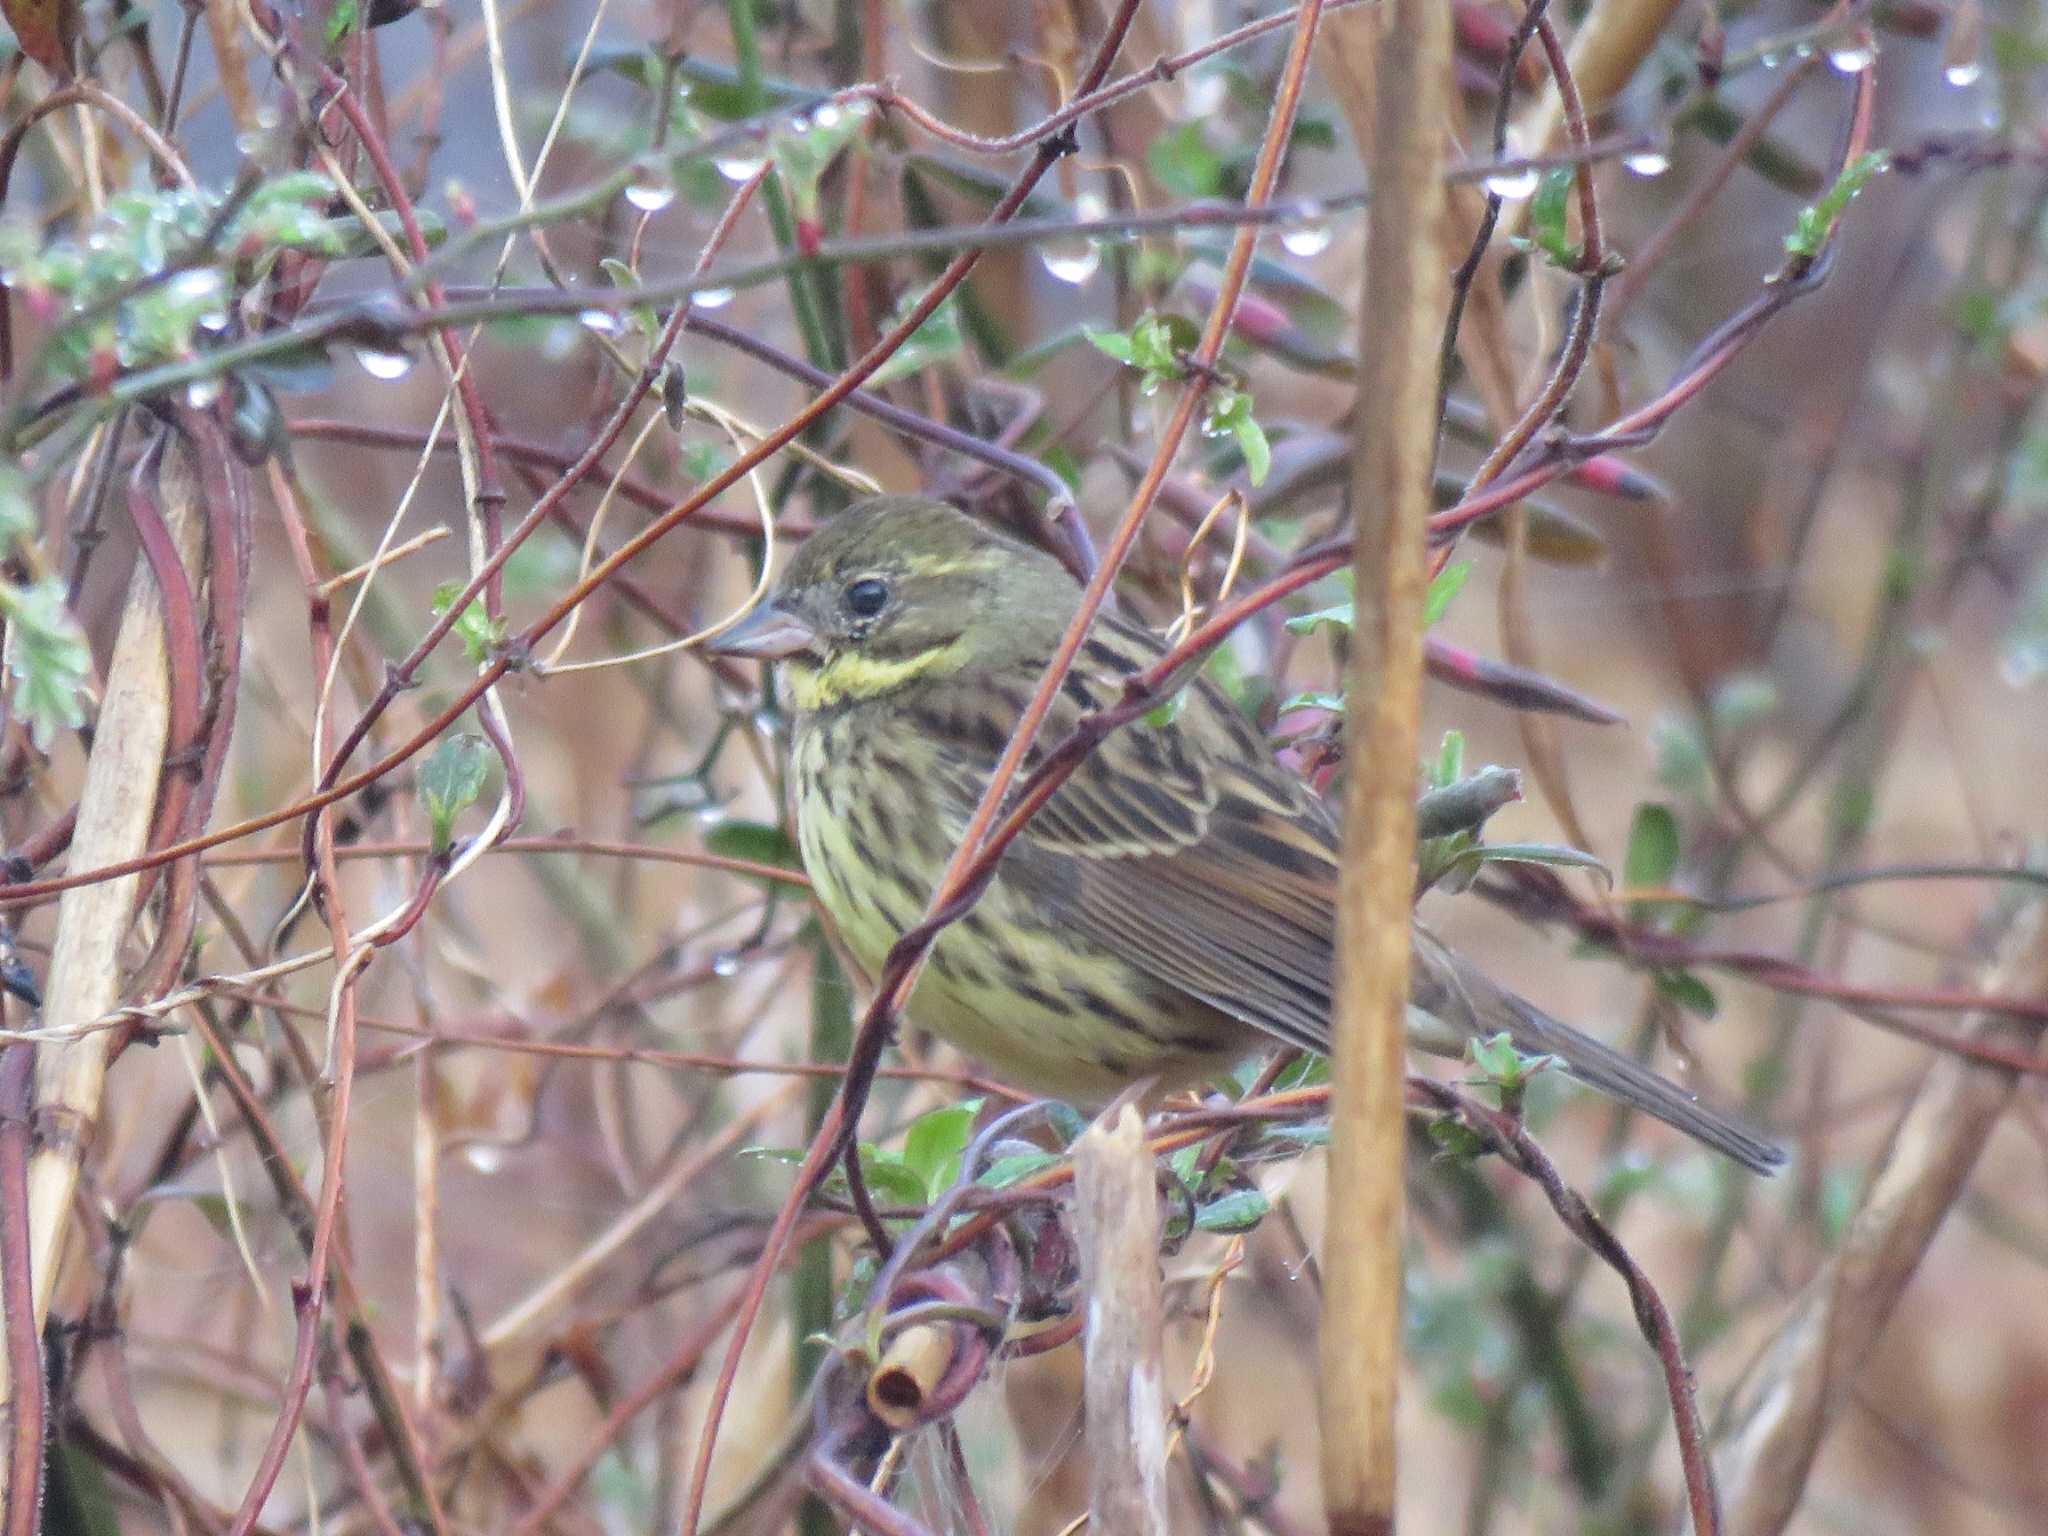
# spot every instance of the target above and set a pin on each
(1465, 1004)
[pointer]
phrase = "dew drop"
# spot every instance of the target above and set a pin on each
(711, 298)
(1071, 260)
(201, 393)
(1076, 258)
(741, 165)
(602, 321)
(827, 115)
(1514, 186)
(1204, 93)
(1648, 164)
(200, 286)
(1311, 236)
(1965, 73)
(651, 189)
(485, 1156)
(800, 125)
(1854, 59)
(725, 963)
(383, 363)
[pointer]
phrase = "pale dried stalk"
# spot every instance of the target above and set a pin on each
(908, 1373)
(1117, 1205)
(1797, 1385)
(1610, 45)
(1405, 297)
(1345, 52)
(114, 812)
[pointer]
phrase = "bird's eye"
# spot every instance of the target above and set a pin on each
(867, 597)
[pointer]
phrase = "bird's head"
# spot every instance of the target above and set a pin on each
(899, 589)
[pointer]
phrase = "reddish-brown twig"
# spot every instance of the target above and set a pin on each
(1505, 1135)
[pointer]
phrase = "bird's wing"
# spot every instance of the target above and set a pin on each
(1211, 867)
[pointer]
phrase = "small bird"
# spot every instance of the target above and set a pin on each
(1168, 911)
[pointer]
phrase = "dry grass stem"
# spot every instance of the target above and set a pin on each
(93, 921)
(1801, 1380)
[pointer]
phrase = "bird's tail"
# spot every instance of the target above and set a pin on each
(1461, 1004)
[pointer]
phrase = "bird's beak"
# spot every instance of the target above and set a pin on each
(768, 633)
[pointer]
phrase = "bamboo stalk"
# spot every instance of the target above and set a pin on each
(1405, 297)
(1117, 1205)
(84, 980)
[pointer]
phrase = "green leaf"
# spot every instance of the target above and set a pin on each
(451, 781)
(1983, 315)
(1817, 221)
(1504, 1069)
(758, 842)
(1183, 163)
(1449, 582)
(1743, 702)
(1455, 1139)
(1556, 855)
(1066, 1121)
(1151, 346)
(341, 21)
(1313, 1134)
(79, 1500)
(1450, 759)
(891, 1180)
(48, 657)
(480, 636)
(17, 509)
(934, 1143)
(1230, 411)
(1005, 1171)
(1496, 1057)
(938, 339)
(1550, 217)
(1653, 847)
(1681, 756)
(644, 318)
(1689, 992)
(1841, 1192)
(1117, 344)
(1333, 702)
(1239, 1211)
(1168, 709)
(1337, 616)
(1309, 1071)
(803, 158)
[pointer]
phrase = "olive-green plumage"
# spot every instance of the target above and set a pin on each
(1169, 910)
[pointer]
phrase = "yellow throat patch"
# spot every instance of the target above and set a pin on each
(851, 676)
